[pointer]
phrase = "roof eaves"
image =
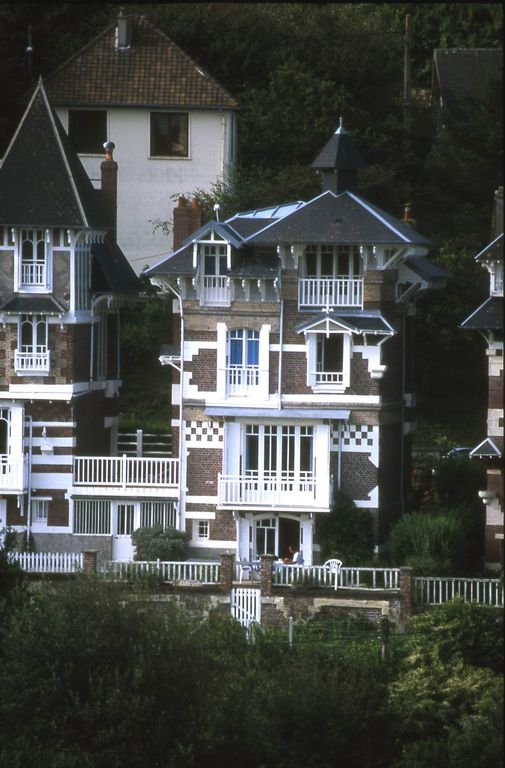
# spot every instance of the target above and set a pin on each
(482, 253)
(378, 217)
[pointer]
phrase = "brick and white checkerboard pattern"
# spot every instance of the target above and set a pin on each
(208, 434)
(358, 438)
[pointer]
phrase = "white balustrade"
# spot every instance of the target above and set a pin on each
(36, 360)
(13, 473)
(216, 290)
(270, 488)
(48, 562)
(433, 590)
(185, 571)
(241, 380)
(348, 578)
(330, 292)
(33, 274)
(125, 472)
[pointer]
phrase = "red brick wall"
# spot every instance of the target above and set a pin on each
(203, 466)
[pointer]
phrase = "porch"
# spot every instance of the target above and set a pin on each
(126, 476)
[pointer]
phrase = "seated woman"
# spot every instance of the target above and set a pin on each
(294, 557)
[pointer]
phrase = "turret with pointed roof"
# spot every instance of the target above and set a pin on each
(339, 161)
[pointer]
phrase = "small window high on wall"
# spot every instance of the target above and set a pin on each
(87, 129)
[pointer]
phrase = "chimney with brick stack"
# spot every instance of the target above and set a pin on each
(187, 219)
(108, 170)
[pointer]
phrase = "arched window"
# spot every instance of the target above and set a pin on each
(33, 258)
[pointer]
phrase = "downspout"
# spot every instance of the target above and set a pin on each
(29, 483)
(339, 458)
(402, 442)
(281, 335)
(182, 464)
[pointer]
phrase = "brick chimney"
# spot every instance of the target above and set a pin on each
(108, 170)
(187, 219)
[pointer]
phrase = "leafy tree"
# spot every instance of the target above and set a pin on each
(157, 543)
(346, 532)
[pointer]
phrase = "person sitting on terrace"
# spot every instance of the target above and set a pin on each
(294, 557)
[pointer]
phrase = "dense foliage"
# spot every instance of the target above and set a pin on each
(94, 675)
(346, 533)
(158, 543)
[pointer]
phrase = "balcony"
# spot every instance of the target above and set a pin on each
(283, 490)
(13, 474)
(330, 292)
(35, 360)
(33, 275)
(242, 380)
(216, 291)
(124, 476)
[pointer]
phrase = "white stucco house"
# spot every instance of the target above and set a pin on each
(173, 126)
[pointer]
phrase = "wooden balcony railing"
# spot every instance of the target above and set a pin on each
(126, 474)
(13, 474)
(272, 489)
(36, 360)
(330, 292)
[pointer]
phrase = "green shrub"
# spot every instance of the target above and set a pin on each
(438, 542)
(346, 532)
(156, 543)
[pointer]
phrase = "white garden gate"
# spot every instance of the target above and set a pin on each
(245, 605)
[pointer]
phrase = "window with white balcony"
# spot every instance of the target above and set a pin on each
(34, 273)
(330, 276)
(216, 288)
(329, 361)
(32, 354)
(242, 371)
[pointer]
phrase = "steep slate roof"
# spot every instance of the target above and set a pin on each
(371, 322)
(487, 449)
(343, 219)
(32, 305)
(112, 271)
(153, 71)
(465, 73)
(42, 181)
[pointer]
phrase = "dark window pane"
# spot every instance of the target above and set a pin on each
(169, 134)
(87, 129)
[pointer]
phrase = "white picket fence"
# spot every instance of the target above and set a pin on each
(245, 606)
(185, 571)
(348, 578)
(434, 590)
(48, 562)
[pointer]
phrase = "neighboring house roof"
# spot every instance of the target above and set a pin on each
(425, 269)
(152, 71)
(489, 316)
(465, 73)
(42, 181)
(493, 251)
(112, 271)
(486, 449)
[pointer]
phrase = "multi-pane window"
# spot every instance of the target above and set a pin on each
(332, 261)
(243, 360)
(87, 129)
(33, 262)
(330, 276)
(40, 510)
(5, 431)
(169, 134)
(215, 282)
(202, 529)
(32, 354)
(273, 450)
(125, 514)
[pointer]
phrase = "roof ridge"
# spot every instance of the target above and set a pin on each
(80, 51)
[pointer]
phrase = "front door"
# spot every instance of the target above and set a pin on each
(122, 547)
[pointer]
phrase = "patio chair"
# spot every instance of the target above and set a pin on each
(248, 569)
(334, 565)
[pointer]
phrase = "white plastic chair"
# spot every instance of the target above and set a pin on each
(334, 565)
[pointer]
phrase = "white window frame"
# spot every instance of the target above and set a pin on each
(93, 517)
(261, 393)
(40, 511)
(201, 530)
(33, 359)
(312, 372)
(33, 275)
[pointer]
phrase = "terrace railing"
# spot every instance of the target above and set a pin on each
(186, 571)
(125, 473)
(434, 590)
(330, 292)
(348, 578)
(48, 562)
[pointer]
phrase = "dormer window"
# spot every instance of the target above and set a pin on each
(32, 355)
(329, 361)
(216, 289)
(34, 272)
